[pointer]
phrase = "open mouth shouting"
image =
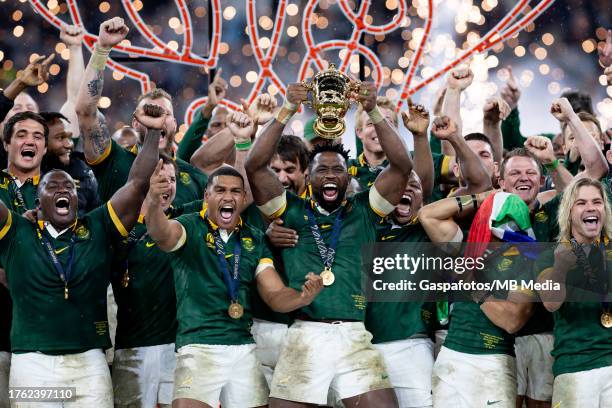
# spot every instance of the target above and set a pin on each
(591, 223)
(226, 212)
(28, 153)
(404, 208)
(62, 204)
(330, 192)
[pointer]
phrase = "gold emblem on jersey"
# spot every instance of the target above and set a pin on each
(247, 243)
(504, 265)
(606, 319)
(235, 310)
(5, 183)
(210, 241)
(82, 232)
(185, 178)
(328, 277)
(541, 216)
(125, 280)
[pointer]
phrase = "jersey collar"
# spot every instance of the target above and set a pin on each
(51, 229)
(35, 179)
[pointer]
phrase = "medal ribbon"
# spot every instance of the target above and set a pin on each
(132, 241)
(328, 254)
(64, 274)
(18, 195)
(232, 282)
(591, 275)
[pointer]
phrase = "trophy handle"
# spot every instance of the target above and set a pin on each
(354, 88)
(310, 87)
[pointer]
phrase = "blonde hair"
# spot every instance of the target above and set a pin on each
(567, 202)
(381, 102)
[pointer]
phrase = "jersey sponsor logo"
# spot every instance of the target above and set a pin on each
(541, 216)
(557, 405)
(185, 178)
(388, 237)
(59, 251)
(247, 243)
(150, 244)
(325, 226)
(82, 232)
(504, 265)
(492, 402)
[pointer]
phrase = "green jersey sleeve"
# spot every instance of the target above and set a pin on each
(192, 139)
(112, 169)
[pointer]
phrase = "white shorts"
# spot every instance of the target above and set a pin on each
(269, 338)
(591, 388)
(87, 372)
(5, 368)
(409, 364)
(111, 313)
(317, 356)
(462, 380)
(534, 366)
(144, 376)
(213, 373)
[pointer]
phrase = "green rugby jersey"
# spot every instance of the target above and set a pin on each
(470, 329)
(581, 341)
(113, 168)
(441, 169)
(43, 320)
(146, 313)
(10, 197)
(345, 299)
(201, 293)
(361, 170)
(391, 321)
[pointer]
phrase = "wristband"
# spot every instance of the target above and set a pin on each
(243, 145)
(550, 167)
(375, 115)
(99, 57)
(285, 113)
(466, 201)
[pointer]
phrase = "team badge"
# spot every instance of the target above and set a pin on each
(185, 178)
(247, 243)
(541, 216)
(5, 183)
(504, 264)
(82, 232)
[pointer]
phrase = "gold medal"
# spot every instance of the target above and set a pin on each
(66, 292)
(235, 310)
(125, 281)
(328, 276)
(606, 319)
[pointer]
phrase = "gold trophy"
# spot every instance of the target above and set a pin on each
(331, 100)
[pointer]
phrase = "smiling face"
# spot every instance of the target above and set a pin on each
(588, 214)
(169, 172)
(367, 133)
(58, 199)
(329, 179)
(225, 198)
(170, 123)
(60, 141)
(27, 146)
(521, 177)
(411, 201)
(23, 102)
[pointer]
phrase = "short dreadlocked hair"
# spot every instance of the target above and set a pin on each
(328, 147)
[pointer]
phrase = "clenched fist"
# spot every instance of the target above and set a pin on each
(112, 32)
(444, 128)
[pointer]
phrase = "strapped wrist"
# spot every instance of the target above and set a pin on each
(286, 112)
(242, 145)
(375, 115)
(99, 57)
(551, 167)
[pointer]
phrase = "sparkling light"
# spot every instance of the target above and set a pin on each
(18, 31)
(229, 13)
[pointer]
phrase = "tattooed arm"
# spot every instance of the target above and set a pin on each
(96, 137)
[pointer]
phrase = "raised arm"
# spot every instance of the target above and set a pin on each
(511, 126)
(283, 299)
(192, 140)
(595, 163)
(438, 218)
(391, 182)
(495, 110)
(241, 127)
(458, 80)
(34, 74)
(165, 232)
(265, 185)
(416, 120)
(541, 147)
(128, 199)
(214, 152)
(473, 172)
(72, 36)
(95, 133)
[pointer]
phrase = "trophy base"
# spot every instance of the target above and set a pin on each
(328, 130)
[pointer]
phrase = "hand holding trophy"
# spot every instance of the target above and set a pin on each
(331, 97)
